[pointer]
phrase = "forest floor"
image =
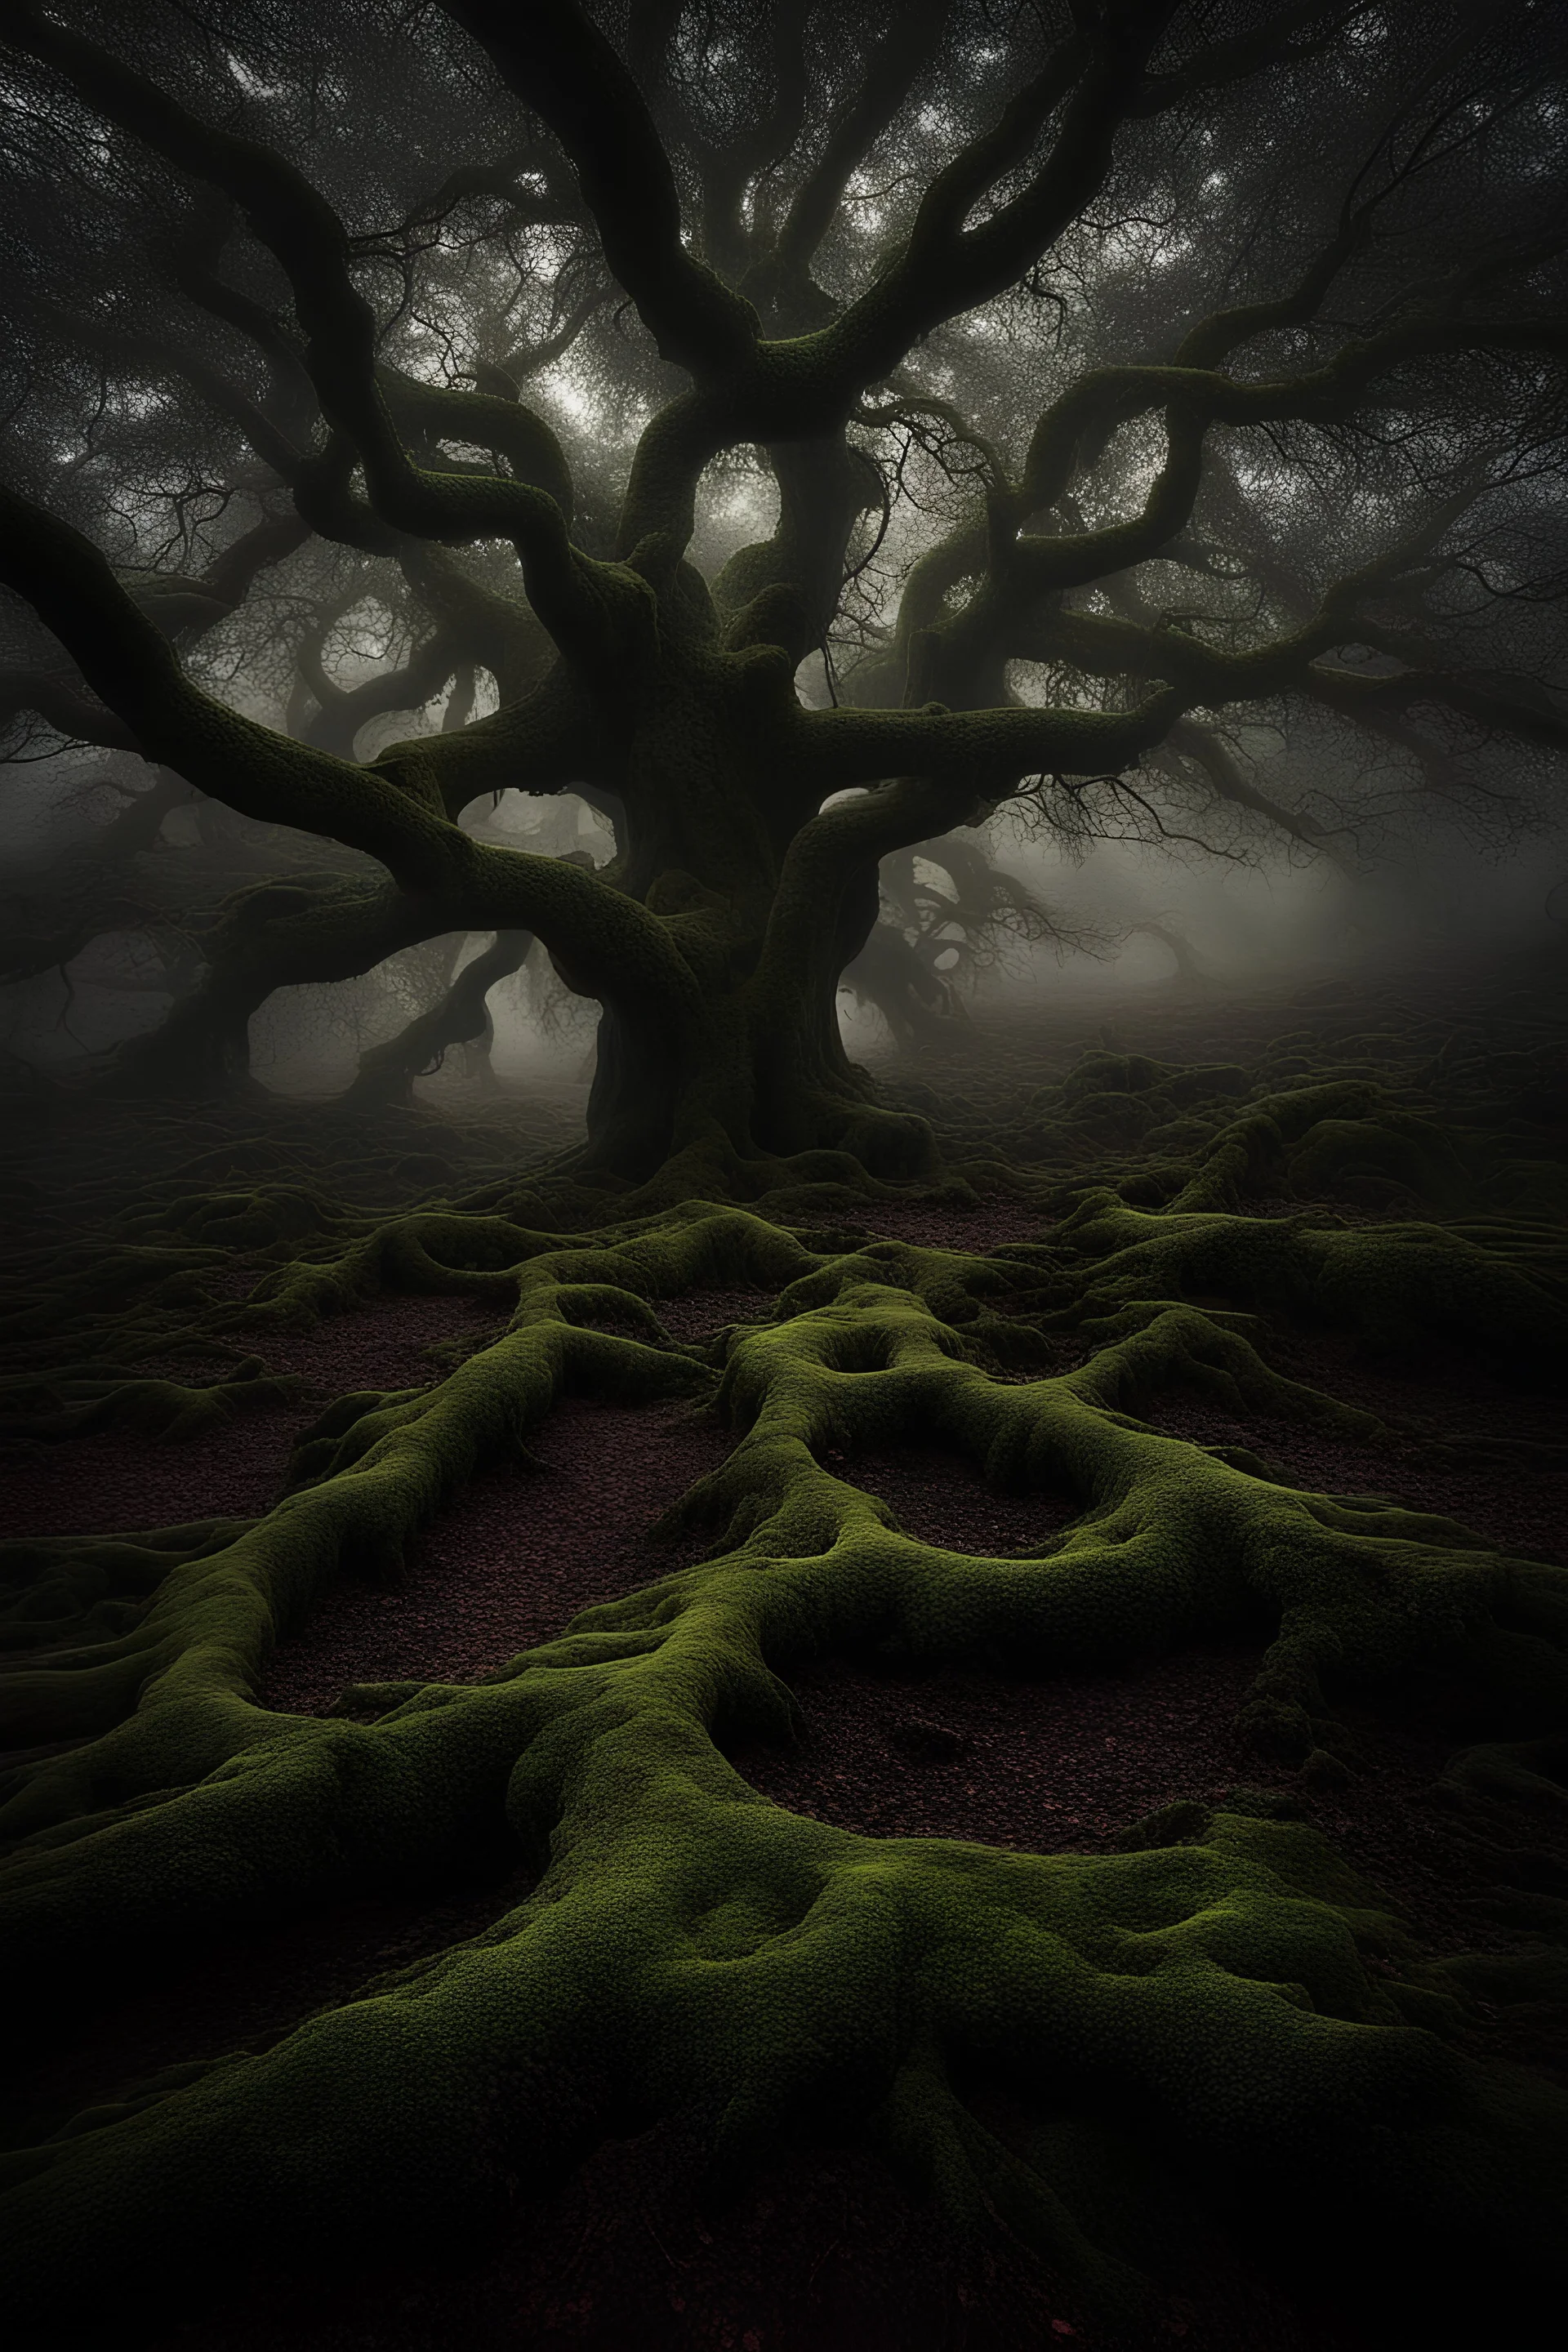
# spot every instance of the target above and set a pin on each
(823, 2248)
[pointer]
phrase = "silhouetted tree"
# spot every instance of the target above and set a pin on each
(1157, 405)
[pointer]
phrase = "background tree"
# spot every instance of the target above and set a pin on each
(1111, 460)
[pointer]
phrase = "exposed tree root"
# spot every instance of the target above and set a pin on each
(1224, 1990)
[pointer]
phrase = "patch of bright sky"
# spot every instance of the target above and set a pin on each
(574, 398)
(134, 400)
(251, 81)
(734, 508)
(1269, 485)
(1541, 161)
(1131, 243)
(866, 216)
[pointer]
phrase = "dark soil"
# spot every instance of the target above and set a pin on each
(979, 1225)
(702, 1314)
(246, 1990)
(519, 1552)
(822, 2252)
(1515, 1502)
(111, 1480)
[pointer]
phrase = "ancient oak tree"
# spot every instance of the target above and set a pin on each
(770, 444)
(1149, 413)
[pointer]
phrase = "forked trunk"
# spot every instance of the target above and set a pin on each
(746, 1078)
(754, 1065)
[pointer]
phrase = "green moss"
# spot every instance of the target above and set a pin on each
(1221, 2002)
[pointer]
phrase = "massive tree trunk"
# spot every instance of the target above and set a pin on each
(749, 1059)
(753, 1071)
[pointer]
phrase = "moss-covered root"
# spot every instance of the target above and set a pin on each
(110, 1618)
(1171, 1544)
(1491, 1288)
(178, 1800)
(693, 1951)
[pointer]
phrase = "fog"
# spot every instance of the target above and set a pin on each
(1256, 920)
(1263, 923)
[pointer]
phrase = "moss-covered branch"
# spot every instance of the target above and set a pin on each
(972, 756)
(393, 811)
(567, 71)
(338, 325)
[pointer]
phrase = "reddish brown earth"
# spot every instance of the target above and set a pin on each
(513, 1559)
(1515, 1506)
(703, 1313)
(113, 1482)
(983, 1224)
